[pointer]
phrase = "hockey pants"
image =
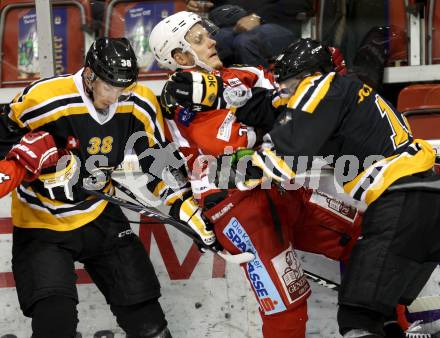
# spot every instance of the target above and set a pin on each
(244, 222)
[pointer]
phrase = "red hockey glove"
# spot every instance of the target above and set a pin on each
(338, 60)
(35, 151)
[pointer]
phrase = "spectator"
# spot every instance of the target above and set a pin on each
(252, 32)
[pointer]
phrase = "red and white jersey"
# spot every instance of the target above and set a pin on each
(216, 132)
(210, 132)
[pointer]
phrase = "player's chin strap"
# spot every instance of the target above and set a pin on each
(197, 62)
(150, 211)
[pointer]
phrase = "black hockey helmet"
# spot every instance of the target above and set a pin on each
(303, 55)
(113, 60)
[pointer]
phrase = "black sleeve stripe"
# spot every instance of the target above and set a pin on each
(32, 200)
(151, 112)
(144, 105)
(49, 107)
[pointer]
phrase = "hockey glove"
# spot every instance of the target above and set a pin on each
(195, 90)
(237, 170)
(188, 211)
(252, 168)
(171, 107)
(168, 102)
(35, 151)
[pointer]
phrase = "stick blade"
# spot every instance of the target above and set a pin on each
(244, 257)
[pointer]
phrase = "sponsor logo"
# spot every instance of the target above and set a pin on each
(234, 82)
(4, 178)
(123, 80)
(225, 129)
(125, 233)
(316, 50)
(334, 205)
(291, 275)
(267, 294)
(285, 118)
(179, 91)
(212, 82)
(223, 211)
(237, 96)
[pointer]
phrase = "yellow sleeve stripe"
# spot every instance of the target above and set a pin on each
(392, 168)
(211, 89)
(150, 108)
(152, 102)
(159, 188)
(25, 215)
(302, 90)
(13, 116)
(146, 120)
(318, 94)
(128, 107)
(124, 108)
(55, 115)
(279, 164)
(170, 199)
(283, 171)
(189, 214)
(354, 185)
(160, 124)
(63, 84)
(44, 92)
(280, 100)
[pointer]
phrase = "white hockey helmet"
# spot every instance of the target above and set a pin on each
(169, 34)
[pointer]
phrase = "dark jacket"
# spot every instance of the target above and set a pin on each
(282, 12)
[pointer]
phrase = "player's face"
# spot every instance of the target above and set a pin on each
(290, 85)
(105, 94)
(203, 46)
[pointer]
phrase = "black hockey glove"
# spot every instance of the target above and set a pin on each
(196, 91)
(188, 211)
(216, 246)
(238, 171)
(168, 102)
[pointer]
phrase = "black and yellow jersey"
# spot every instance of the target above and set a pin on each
(357, 131)
(60, 106)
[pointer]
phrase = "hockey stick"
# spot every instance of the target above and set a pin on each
(149, 211)
(327, 283)
(310, 275)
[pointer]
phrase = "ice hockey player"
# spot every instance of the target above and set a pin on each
(267, 221)
(97, 113)
(379, 162)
